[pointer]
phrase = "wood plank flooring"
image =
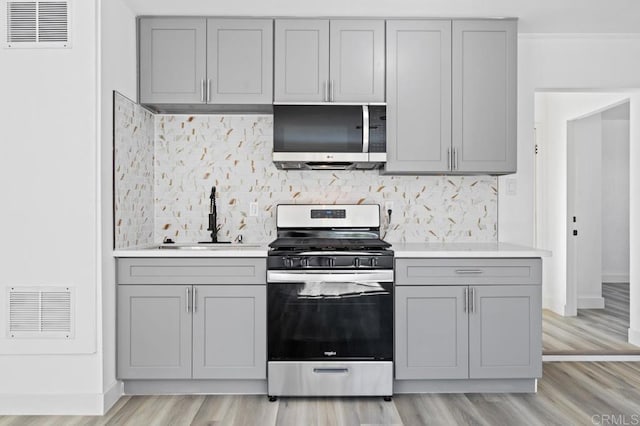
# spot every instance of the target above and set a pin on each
(568, 394)
(593, 331)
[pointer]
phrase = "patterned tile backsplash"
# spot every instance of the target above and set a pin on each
(192, 153)
(133, 173)
(233, 152)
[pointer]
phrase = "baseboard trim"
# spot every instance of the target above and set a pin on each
(590, 358)
(553, 305)
(201, 387)
(615, 278)
(634, 337)
(591, 302)
(112, 395)
(465, 386)
(51, 405)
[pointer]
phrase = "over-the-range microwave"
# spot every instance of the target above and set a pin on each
(329, 137)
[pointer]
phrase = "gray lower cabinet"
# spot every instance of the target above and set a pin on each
(213, 328)
(451, 96)
(457, 326)
(205, 61)
(320, 60)
(229, 332)
(154, 332)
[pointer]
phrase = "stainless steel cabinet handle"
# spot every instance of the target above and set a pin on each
(465, 299)
(455, 159)
(208, 90)
(187, 300)
(202, 90)
(325, 90)
(472, 302)
(331, 85)
(468, 271)
(450, 163)
(195, 299)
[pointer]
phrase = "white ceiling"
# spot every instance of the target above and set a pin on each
(536, 16)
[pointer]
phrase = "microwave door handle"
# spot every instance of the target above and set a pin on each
(365, 128)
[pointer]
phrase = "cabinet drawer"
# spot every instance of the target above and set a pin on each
(191, 271)
(468, 271)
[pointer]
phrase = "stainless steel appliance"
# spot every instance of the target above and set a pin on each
(329, 137)
(329, 303)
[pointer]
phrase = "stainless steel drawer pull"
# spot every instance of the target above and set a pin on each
(195, 299)
(465, 299)
(472, 303)
(331, 370)
(469, 271)
(187, 299)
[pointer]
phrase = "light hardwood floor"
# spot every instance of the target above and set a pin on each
(568, 394)
(593, 331)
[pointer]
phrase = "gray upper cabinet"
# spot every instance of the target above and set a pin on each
(357, 61)
(200, 61)
(172, 55)
(229, 332)
(451, 96)
(431, 333)
(154, 332)
(505, 335)
(329, 61)
(418, 96)
(484, 96)
(239, 61)
(301, 60)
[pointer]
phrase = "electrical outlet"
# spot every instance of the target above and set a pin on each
(253, 209)
(388, 205)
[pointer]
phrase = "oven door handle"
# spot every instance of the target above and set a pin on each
(385, 276)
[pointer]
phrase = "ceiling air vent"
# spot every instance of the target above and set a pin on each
(40, 313)
(37, 24)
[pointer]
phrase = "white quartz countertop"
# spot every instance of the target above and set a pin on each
(222, 250)
(478, 250)
(401, 250)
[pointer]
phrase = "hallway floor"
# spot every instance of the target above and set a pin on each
(593, 331)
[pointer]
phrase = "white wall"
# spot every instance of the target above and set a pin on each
(48, 166)
(118, 72)
(615, 195)
(634, 213)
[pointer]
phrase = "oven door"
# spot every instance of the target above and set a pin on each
(330, 315)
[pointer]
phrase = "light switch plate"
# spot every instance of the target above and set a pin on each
(253, 209)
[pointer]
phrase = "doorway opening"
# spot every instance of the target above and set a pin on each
(582, 215)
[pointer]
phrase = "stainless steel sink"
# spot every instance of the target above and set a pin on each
(209, 246)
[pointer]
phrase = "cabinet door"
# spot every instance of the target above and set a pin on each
(301, 60)
(230, 335)
(418, 96)
(240, 61)
(431, 333)
(172, 60)
(154, 332)
(484, 95)
(505, 332)
(357, 58)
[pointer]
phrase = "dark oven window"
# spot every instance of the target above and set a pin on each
(350, 326)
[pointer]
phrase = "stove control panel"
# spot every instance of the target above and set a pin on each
(330, 262)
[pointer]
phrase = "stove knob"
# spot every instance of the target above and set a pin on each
(304, 262)
(332, 262)
(374, 262)
(356, 262)
(288, 263)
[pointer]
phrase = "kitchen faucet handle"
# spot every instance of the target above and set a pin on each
(239, 239)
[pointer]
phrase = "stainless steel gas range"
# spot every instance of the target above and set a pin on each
(329, 303)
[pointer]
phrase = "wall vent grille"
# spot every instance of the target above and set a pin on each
(37, 24)
(43, 312)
